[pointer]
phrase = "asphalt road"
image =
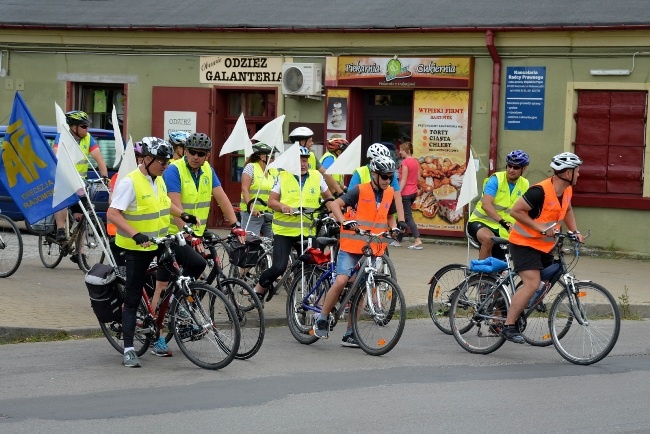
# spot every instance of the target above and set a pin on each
(428, 383)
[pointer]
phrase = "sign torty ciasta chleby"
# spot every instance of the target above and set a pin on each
(233, 69)
(417, 72)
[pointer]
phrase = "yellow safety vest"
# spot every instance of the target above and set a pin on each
(312, 160)
(264, 183)
(151, 217)
(194, 201)
(289, 225)
(84, 145)
(364, 174)
(337, 178)
(503, 202)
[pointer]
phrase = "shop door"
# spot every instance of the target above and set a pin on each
(388, 119)
(182, 99)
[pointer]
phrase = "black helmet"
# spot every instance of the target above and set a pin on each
(77, 117)
(157, 148)
(262, 149)
(199, 141)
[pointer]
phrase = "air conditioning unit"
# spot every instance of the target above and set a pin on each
(302, 79)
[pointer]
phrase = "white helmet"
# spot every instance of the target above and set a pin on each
(300, 133)
(377, 149)
(565, 160)
(382, 164)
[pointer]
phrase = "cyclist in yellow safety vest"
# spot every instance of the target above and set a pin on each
(256, 184)
(335, 147)
(79, 122)
(290, 193)
(491, 217)
(305, 137)
(361, 175)
(140, 209)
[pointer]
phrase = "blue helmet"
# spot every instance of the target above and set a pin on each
(518, 158)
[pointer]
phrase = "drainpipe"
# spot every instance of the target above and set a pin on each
(496, 99)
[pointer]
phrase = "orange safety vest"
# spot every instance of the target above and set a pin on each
(111, 229)
(552, 212)
(370, 217)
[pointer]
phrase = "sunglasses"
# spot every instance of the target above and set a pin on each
(386, 177)
(512, 166)
(163, 162)
(84, 126)
(199, 153)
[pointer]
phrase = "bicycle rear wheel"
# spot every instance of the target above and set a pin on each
(204, 326)
(302, 310)
(49, 250)
(444, 284)
(88, 245)
(250, 314)
(478, 312)
(378, 317)
(11, 247)
(595, 324)
(143, 332)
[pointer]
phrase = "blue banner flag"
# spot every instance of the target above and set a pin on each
(28, 165)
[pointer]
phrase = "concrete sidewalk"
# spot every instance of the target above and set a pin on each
(40, 301)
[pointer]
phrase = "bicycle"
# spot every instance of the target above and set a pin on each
(84, 243)
(11, 246)
(376, 302)
(201, 318)
(583, 321)
(249, 309)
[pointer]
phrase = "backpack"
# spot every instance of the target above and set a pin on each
(105, 295)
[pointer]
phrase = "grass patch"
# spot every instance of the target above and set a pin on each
(625, 308)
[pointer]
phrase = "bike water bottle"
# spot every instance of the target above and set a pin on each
(537, 293)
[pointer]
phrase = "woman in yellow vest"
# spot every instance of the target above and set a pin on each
(335, 147)
(290, 193)
(538, 213)
(372, 207)
(256, 184)
(491, 217)
(140, 209)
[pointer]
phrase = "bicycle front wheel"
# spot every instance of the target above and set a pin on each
(11, 247)
(49, 251)
(387, 267)
(250, 314)
(595, 323)
(478, 312)
(378, 315)
(205, 326)
(444, 284)
(304, 303)
(88, 245)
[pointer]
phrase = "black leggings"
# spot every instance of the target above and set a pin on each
(281, 251)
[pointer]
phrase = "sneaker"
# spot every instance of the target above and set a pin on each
(349, 341)
(321, 328)
(130, 360)
(510, 333)
(160, 348)
(74, 258)
(60, 235)
(396, 244)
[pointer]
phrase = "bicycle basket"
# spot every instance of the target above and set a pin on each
(315, 256)
(44, 226)
(245, 255)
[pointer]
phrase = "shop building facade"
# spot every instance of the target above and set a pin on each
(544, 88)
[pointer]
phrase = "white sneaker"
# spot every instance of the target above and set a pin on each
(396, 244)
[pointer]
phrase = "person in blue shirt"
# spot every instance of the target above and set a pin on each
(361, 175)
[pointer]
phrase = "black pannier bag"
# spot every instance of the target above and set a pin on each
(105, 296)
(245, 255)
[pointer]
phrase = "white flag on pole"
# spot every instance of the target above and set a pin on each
(61, 123)
(129, 163)
(348, 161)
(238, 139)
(289, 160)
(468, 190)
(66, 179)
(271, 133)
(119, 143)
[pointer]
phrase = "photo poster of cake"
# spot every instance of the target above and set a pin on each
(440, 143)
(337, 109)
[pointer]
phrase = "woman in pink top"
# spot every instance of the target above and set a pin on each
(409, 173)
